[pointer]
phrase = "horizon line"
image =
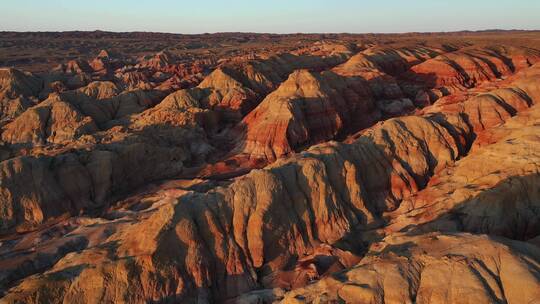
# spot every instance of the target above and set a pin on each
(274, 33)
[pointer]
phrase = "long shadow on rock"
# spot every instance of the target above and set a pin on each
(510, 209)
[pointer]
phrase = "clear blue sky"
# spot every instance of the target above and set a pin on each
(276, 16)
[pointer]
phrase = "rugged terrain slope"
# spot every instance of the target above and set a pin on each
(346, 170)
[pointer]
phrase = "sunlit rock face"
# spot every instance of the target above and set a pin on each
(336, 170)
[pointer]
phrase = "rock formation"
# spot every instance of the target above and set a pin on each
(432, 268)
(306, 109)
(17, 91)
(333, 172)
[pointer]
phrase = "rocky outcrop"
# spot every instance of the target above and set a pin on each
(182, 108)
(67, 116)
(15, 83)
(306, 109)
(396, 61)
(364, 102)
(85, 175)
(54, 120)
(226, 94)
(382, 85)
(134, 79)
(100, 90)
(231, 91)
(17, 92)
(433, 268)
(458, 198)
(158, 61)
(465, 69)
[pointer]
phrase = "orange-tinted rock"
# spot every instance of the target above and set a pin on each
(287, 215)
(100, 90)
(14, 84)
(54, 121)
(466, 69)
(397, 61)
(266, 221)
(457, 198)
(306, 109)
(18, 92)
(158, 61)
(432, 268)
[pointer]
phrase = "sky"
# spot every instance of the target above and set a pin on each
(270, 16)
